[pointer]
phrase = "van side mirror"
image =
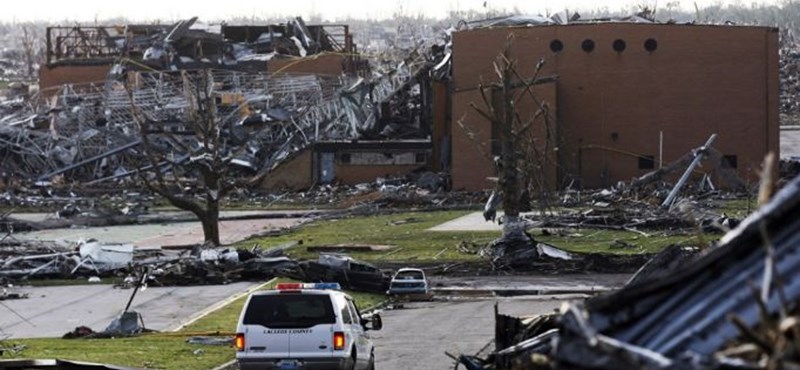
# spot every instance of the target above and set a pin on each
(373, 322)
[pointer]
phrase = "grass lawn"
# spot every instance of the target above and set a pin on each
(158, 350)
(739, 208)
(408, 233)
(403, 230)
(603, 241)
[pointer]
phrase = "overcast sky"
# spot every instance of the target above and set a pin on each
(143, 10)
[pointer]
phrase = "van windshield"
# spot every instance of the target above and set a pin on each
(289, 311)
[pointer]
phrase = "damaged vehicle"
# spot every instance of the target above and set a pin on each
(350, 273)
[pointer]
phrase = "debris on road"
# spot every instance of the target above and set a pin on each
(10, 292)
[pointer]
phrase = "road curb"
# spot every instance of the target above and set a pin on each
(225, 365)
(503, 292)
(377, 306)
(220, 304)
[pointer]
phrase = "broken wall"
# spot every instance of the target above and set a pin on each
(52, 77)
(291, 174)
(612, 104)
(352, 174)
(348, 163)
(364, 161)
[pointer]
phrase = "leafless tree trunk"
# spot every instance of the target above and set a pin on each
(28, 44)
(509, 152)
(209, 165)
(516, 146)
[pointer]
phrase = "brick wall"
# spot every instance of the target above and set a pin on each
(472, 158)
(613, 104)
(55, 76)
(292, 174)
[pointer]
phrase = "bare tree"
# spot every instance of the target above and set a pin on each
(29, 44)
(193, 174)
(521, 163)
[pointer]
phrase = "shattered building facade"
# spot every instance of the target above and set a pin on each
(627, 97)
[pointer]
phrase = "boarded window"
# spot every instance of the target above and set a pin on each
(730, 161)
(381, 158)
(647, 162)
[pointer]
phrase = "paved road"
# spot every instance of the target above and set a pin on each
(174, 233)
(555, 282)
(53, 311)
(417, 336)
(790, 143)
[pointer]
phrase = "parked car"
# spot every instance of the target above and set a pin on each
(408, 281)
(304, 326)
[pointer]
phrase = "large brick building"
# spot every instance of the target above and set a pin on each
(626, 95)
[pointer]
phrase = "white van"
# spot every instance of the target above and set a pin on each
(304, 326)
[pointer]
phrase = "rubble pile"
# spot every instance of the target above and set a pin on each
(93, 137)
(198, 265)
(728, 308)
(168, 266)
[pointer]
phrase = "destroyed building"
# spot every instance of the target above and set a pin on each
(627, 96)
(86, 54)
(298, 99)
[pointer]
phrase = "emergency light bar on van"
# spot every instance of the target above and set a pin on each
(298, 286)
